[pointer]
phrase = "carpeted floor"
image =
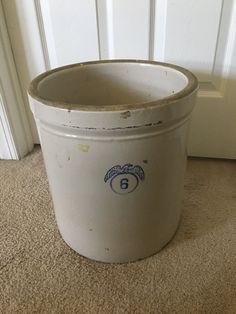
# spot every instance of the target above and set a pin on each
(195, 273)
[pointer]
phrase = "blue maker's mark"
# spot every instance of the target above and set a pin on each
(124, 179)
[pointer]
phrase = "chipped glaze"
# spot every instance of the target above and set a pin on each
(113, 135)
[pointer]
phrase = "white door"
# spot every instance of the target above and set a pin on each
(199, 35)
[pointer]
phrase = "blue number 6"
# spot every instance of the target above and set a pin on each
(124, 184)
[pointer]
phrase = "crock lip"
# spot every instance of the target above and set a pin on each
(190, 88)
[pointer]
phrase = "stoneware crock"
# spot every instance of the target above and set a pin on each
(113, 135)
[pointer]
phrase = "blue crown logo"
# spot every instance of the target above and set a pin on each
(124, 179)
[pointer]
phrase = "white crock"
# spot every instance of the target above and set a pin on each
(113, 135)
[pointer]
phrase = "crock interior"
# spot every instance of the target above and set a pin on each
(111, 84)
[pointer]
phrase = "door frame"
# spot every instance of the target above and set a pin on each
(16, 139)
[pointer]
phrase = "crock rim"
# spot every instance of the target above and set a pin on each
(190, 88)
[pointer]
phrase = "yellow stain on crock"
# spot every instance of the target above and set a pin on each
(84, 148)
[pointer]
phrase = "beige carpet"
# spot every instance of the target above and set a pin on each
(195, 273)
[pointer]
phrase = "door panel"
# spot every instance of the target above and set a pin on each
(130, 25)
(191, 36)
(70, 30)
